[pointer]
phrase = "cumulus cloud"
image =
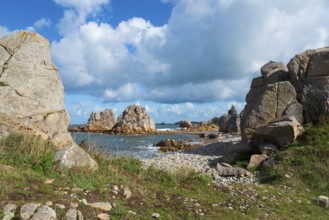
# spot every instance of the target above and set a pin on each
(208, 51)
(41, 23)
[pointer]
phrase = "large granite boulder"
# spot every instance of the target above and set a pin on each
(309, 72)
(134, 120)
(100, 121)
(31, 92)
(280, 132)
(231, 122)
(265, 104)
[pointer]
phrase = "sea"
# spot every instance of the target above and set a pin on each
(138, 146)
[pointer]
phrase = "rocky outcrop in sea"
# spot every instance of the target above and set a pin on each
(100, 121)
(134, 120)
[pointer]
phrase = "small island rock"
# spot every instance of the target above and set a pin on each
(100, 121)
(134, 120)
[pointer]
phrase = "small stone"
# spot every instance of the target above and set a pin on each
(115, 192)
(127, 193)
(49, 181)
(49, 203)
(116, 188)
(103, 216)
(9, 208)
(74, 205)
(60, 206)
(104, 206)
(155, 215)
(77, 189)
(197, 205)
(287, 176)
(9, 211)
(226, 165)
(73, 214)
(28, 210)
(44, 213)
(131, 212)
(323, 201)
(84, 201)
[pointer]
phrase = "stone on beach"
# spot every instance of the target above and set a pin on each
(236, 152)
(231, 171)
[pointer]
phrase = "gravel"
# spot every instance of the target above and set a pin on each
(203, 159)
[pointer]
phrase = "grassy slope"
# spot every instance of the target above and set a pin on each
(173, 195)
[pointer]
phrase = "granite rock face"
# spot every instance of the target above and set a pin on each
(309, 73)
(31, 92)
(301, 91)
(265, 104)
(100, 121)
(134, 120)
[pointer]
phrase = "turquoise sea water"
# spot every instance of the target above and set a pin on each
(139, 146)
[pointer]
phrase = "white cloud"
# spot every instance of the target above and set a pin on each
(208, 51)
(76, 13)
(41, 23)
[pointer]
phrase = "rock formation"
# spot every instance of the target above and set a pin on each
(31, 92)
(231, 122)
(134, 120)
(186, 124)
(309, 73)
(301, 91)
(100, 121)
(172, 145)
(280, 133)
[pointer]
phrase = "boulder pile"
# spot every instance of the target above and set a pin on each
(301, 91)
(284, 98)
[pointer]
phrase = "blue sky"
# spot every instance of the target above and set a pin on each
(181, 59)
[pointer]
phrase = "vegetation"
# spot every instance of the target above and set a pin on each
(3, 84)
(300, 175)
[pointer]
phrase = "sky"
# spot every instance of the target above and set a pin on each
(180, 59)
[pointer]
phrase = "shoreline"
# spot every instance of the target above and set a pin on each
(201, 159)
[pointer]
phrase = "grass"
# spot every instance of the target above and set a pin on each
(3, 84)
(183, 194)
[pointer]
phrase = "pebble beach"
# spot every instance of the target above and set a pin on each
(203, 159)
